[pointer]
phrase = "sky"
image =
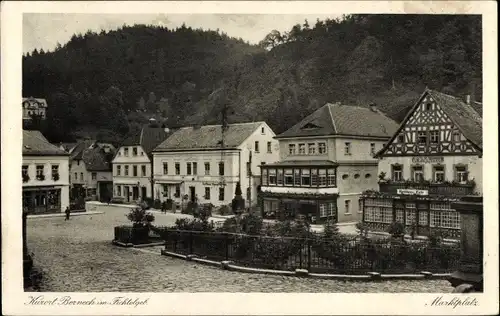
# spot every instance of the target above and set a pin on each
(45, 30)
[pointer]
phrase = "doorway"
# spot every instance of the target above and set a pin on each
(143, 193)
(135, 193)
(127, 193)
(192, 193)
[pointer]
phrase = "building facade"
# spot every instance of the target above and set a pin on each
(91, 171)
(205, 163)
(45, 175)
(433, 159)
(34, 106)
(326, 162)
(133, 164)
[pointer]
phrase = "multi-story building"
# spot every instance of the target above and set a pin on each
(90, 170)
(206, 163)
(34, 106)
(327, 161)
(133, 164)
(45, 175)
(434, 158)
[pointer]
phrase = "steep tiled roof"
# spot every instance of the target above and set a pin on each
(148, 138)
(463, 115)
(95, 159)
(35, 144)
(336, 119)
(77, 152)
(68, 146)
(208, 137)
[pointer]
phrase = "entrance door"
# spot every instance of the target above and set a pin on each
(143, 193)
(135, 193)
(127, 193)
(192, 193)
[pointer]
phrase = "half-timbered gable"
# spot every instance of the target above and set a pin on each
(438, 124)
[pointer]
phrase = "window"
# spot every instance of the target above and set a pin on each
(422, 137)
(372, 149)
(134, 171)
(314, 177)
(417, 173)
(269, 147)
(177, 168)
(311, 148)
(188, 168)
(195, 168)
(461, 174)
(322, 210)
(289, 177)
(291, 149)
(434, 137)
(272, 176)
(207, 168)
(55, 171)
(143, 170)
(126, 170)
(40, 172)
(439, 174)
(221, 168)
(356, 176)
(296, 173)
(368, 176)
(165, 168)
(326, 209)
(94, 176)
(397, 173)
(24, 171)
(360, 206)
(221, 194)
(456, 136)
(78, 162)
(347, 207)
(262, 130)
(345, 176)
(280, 177)
(302, 149)
(321, 148)
(119, 190)
(331, 178)
(76, 176)
(256, 146)
(322, 177)
(165, 189)
(265, 180)
(401, 138)
(428, 106)
(81, 176)
(306, 178)
(125, 151)
(207, 193)
(347, 149)
(118, 171)
(134, 151)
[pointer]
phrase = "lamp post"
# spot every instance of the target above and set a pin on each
(469, 275)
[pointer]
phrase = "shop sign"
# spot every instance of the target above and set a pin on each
(412, 192)
(426, 159)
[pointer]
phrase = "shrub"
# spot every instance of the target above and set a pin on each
(148, 203)
(251, 224)
(194, 225)
(362, 229)
(225, 210)
(169, 204)
(156, 204)
(204, 212)
(330, 230)
(396, 229)
(139, 217)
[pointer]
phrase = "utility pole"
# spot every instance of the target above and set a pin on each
(250, 179)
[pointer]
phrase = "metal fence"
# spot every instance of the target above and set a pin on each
(316, 254)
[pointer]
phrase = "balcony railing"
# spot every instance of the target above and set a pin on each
(445, 189)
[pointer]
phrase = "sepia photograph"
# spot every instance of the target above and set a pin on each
(251, 153)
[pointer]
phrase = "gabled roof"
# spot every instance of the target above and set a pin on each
(148, 138)
(463, 115)
(68, 146)
(337, 119)
(77, 152)
(35, 144)
(93, 155)
(208, 137)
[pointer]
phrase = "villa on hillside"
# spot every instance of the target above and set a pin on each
(133, 163)
(34, 106)
(326, 162)
(44, 175)
(433, 159)
(206, 162)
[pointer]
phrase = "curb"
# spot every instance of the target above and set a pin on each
(121, 244)
(62, 214)
(304, 273)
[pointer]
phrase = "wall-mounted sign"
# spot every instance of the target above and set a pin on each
(412, 192)
(213, 183)
(425, 159)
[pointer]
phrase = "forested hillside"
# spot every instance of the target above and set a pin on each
(113, 82)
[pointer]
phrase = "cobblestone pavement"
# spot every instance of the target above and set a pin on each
(77, 255)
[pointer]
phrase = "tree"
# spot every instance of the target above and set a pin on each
(271, 40)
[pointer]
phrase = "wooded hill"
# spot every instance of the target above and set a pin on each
(96, 82)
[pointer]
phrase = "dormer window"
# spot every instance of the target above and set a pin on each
(401, 138)
(125, 151)
(262, 130)
(428, 106)
(134, 151)
(310, 126)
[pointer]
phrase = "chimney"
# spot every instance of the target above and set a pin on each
(373, 107)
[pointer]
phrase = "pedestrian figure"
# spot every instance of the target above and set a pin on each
(164, 207)
(67, 213)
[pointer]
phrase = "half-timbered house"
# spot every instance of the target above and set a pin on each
(433, 159)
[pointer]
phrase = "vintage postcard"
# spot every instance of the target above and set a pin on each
(249, 158)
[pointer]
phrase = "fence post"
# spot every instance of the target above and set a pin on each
(309, 254)
(190, 242)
